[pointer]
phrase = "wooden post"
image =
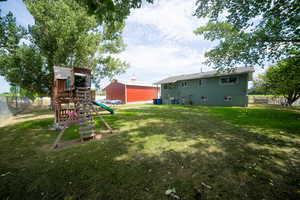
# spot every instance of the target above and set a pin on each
(58, 138)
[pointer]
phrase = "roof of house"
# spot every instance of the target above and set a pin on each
(209, 74)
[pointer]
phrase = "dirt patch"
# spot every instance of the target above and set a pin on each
(25, 115)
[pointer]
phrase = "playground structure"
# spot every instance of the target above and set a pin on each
(74, 102)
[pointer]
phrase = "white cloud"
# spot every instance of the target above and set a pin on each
(157, 62)
(173, 18)
(161, 42)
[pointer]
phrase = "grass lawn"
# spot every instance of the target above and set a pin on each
(201, 152)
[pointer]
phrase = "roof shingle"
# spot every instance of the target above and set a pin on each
(173, 79)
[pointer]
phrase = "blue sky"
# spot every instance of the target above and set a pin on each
(159, 38)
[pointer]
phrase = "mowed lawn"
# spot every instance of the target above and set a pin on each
(198, 152)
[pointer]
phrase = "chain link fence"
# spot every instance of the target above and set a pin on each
(10, 106)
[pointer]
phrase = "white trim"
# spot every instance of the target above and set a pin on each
(137, 83)
(79, 74)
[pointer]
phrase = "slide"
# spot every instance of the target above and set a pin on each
(105, 107)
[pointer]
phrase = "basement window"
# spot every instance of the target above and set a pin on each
(204, 98)
(227, 98)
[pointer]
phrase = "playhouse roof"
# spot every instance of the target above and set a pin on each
(173, 79)
(65, 72)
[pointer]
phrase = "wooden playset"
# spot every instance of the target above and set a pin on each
(74, 102)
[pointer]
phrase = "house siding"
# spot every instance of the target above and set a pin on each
(115, 91)
(212, 89)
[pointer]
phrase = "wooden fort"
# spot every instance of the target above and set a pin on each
(74, 104)
(72, 93)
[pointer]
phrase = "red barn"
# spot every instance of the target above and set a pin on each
(131, 91)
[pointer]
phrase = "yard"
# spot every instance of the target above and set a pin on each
(197, 152)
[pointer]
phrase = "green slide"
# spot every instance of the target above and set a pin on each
(105, 107)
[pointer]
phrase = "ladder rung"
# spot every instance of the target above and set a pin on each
(87, 132)
(86, 128)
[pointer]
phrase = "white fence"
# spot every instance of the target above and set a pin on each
(270, 100)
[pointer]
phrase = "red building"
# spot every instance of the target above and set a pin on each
(131, 91)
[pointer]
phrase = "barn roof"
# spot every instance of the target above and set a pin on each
(132, 82)
(137, 83)
(173, 79)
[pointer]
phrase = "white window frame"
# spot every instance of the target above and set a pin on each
(229, 83)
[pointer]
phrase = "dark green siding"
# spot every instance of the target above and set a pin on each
(212, 89)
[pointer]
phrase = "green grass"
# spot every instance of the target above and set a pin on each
(240, 153)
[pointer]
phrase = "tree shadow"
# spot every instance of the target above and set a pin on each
(192, 149)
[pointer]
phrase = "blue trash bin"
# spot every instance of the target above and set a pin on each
(159, 101)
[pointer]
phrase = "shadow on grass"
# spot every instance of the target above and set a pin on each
(202, 152)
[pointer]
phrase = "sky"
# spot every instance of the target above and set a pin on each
(159, 38)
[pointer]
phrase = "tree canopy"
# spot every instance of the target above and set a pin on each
(64, 34)
(284, 78)
(10, 33)
(249, 32)
(110, 11)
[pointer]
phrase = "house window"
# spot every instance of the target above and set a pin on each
(165, 86)
(204, 98)
(201, 82)
(184, 84)
(231, 80)
(227, 98)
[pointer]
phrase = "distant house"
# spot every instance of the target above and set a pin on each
(208, 88)
(131, 91)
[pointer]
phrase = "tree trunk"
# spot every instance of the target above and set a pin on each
(51, 80)
(16, 102)
(291, 100)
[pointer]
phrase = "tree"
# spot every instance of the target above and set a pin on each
(10, 33)
(25, 68)
(110, 11)
(249, 32)
(64, 34)
(284, 78)
(258, 86)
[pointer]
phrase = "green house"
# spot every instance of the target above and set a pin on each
(208, 88)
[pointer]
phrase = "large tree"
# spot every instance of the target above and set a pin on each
(110, 11)
(64, 34)
(10, 33)
(284, 78)
(249, 32)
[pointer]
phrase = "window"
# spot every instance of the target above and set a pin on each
(227, 98)
(202, 82)
(170, 86)
(204, 98)
(80, 81)
(231, 80)
(184, 84)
